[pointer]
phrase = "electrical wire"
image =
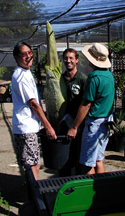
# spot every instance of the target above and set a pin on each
(3, 58)
(76, 2)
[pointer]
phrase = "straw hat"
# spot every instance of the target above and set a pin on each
(97, 54)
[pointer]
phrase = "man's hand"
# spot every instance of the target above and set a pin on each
(82, 112)
(71, 133)
(39, 113)
(51, 133)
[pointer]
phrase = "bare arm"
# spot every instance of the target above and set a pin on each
(37, 109)
(82, 112)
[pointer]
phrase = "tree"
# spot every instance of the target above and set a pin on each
(18, 22)
(15, 18)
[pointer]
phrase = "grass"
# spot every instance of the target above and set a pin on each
(5, 204)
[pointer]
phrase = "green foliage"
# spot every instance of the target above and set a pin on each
(120, 83)
(4, 203)
(6, 73)
(43, 60)
(120, 123)
(117, 46)
(121, 115)
(16, 10)
(3, 70)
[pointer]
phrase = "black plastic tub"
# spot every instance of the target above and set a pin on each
(56, 153)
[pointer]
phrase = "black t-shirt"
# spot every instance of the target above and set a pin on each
(75, 89)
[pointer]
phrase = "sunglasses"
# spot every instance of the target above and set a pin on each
(24, 54)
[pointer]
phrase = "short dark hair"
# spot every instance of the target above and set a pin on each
(71, 50)
(17, 47)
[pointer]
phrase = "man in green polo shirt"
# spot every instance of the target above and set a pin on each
(97, 108)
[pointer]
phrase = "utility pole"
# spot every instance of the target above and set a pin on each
(67, 41)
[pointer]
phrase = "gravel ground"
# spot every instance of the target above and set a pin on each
(12, 182)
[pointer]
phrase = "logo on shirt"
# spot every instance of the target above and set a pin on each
(75, 89)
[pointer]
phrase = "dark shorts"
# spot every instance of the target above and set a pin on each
(27, 149)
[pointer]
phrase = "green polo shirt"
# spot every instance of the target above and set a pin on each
(100, 92)
(75, 89)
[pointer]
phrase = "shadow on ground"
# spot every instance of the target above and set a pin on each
(115, 157)
(13, 190)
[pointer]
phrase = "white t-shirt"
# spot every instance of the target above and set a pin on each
(23, 89)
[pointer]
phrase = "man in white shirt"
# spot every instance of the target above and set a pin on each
(27, 110)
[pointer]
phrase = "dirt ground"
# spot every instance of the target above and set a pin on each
(12, 182)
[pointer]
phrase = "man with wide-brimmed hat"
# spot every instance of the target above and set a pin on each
(97, 108)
